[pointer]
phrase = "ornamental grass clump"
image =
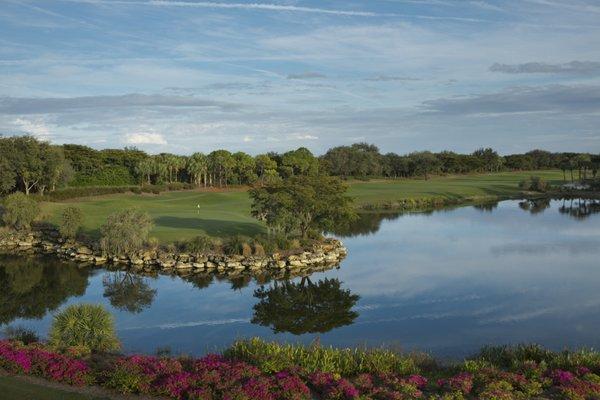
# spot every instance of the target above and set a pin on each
(85, 325)
(272, 357)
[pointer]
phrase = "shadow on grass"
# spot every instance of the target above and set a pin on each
(212, 227)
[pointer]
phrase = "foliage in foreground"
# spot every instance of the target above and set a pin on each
(87, 326)
(125, 232)
(534, 184)
(301, 204)
(19, 211)
(70, 222)
(521, 372)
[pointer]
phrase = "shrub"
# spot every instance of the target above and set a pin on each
(273, 357)
(19, 210)
(259, 250)
(125, 232)
(200, 244)
(71, 221)
(38, 361)
(535, 184)
(235, 245)
(86, 325)
(22, 334)
(77, 192)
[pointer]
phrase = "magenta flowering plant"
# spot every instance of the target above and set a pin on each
(562, 378)
(462, 383)
(14, 359)
(331, 387)
(35, 360)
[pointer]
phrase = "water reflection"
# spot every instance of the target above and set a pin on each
(579, 208)
(535, 206)
(31, 287)
(365, 224)
(127, 291)
(304, 307)
(369, 223)
(446, 282)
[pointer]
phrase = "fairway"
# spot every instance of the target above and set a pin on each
(455, 187)
(177, 215)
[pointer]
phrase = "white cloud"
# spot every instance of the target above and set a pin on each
(36, 128)
(145, 138)
(245, 6)
(306, 137)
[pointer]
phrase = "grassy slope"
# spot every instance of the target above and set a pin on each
(456, 187)
(176, 215)
(14, 388)
(221, 214)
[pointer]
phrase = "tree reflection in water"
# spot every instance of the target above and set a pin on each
(579, 208)
(535, 206)
(127, 291)
(304, 307)
(366, 224)
(32, 287)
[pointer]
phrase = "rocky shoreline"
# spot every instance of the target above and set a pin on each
(326, 254)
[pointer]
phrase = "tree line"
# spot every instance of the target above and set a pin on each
(30, 165)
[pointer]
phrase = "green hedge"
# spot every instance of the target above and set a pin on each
(106, 176)
(89, 191)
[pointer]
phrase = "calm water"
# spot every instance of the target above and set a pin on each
(447, 282)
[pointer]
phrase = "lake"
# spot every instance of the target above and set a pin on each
(445, 282)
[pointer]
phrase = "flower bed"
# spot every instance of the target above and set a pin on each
(510, 375)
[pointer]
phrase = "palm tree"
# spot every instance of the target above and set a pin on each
(145, 169)
(197, 168)
(87, 325)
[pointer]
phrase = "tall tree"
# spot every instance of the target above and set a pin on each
(302, 203)
(197, 168)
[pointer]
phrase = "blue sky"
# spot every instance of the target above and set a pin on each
(185, 76)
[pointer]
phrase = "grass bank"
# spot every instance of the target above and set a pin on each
(379, 193)
(12, 387)
(183, 215)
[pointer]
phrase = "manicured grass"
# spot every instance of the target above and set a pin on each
(226, 213)
(176, 214)
(15, 388)
(453, 187)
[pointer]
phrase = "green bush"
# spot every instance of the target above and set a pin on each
(200, 244)
(71, 221)
(108, 175)
(19, 210)
(77, 192)
(84, 325)
(534, 184)
(125, 232)
(272, 357)
(235, 245)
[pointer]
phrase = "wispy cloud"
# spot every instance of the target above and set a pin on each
(307, 75)
(23, 105)
(391, 78)
(243, 6)
(551, 98)
(276, 7)
(573, 67)
(145, 138)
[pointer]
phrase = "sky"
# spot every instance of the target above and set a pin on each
(272, 75)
